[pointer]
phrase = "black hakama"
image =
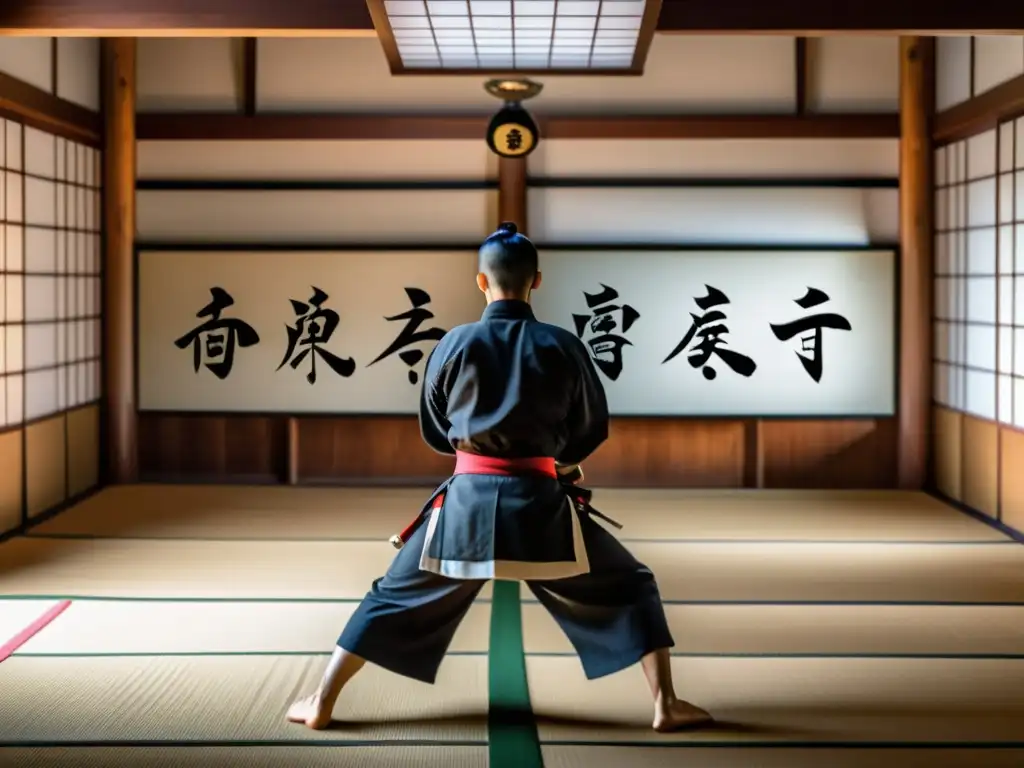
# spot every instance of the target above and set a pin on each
(512, 389)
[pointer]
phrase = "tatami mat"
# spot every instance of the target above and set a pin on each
(230, 698)
(15, 616)
(795, 700)
(98, 627)
(194, 569)
(778, 757)
(685, 572)
(378, 756)
(787, 515)
(282, 569)
(840, 572)
(242, 512)
(818, 629)
(476, 757)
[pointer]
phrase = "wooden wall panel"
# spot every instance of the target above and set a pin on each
(205, 448)
(640, 452)
(354, 448)
(947, 450)
(678, 453)
(10, 480)
(980, 451)
(45, 464)
(83, 449)
(829, 454)
(1012, 490)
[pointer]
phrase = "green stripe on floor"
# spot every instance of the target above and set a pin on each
(511, 730)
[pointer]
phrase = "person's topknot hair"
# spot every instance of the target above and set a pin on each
(508, 259)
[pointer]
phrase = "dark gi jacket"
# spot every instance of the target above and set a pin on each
(509, 386)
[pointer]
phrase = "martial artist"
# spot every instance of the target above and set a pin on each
(519, 403)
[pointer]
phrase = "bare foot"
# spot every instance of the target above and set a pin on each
(678, 715)
(307, 711)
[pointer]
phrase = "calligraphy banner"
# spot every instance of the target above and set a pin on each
(296, 332)
(732, 333)
(672, 333)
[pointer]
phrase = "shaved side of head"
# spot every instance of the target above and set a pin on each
(509, 260)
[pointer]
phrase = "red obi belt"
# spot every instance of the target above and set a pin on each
(472, 464)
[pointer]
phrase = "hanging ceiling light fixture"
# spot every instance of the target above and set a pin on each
(512, 132)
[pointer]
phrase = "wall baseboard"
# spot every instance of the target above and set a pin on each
(981, 517)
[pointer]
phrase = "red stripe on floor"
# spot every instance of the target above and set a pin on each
(8, 649)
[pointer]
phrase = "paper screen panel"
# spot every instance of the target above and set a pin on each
(997, 58)
(854, 73)
(344, 160)
(78, 71)
(952, 71)
(188, 74)
(735, 216)
(360, 217)
(29, 59)
(735, 158)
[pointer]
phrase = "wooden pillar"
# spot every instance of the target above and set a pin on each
(916, 212)
(512, 191)
(118, 259)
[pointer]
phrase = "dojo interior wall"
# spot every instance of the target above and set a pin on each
(979, 289)
(710, 75)
(603, 205)
(50, 214)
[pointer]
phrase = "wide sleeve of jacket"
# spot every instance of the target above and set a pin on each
(587, 421)
(434, 424)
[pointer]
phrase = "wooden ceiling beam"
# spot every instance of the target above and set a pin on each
(800, 17)
(256, 18)
(39, 109)
(281, 127)
(981, 113)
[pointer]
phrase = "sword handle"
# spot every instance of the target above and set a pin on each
(571, 474)
(398, 540)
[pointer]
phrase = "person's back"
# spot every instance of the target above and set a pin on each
(511, 388)
(509, 385)
(519, 404)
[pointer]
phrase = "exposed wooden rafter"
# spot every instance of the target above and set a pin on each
(981, 112)
(801, 74)
(34, 106)
(253, 18)
(322, 126)
(249, 64)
